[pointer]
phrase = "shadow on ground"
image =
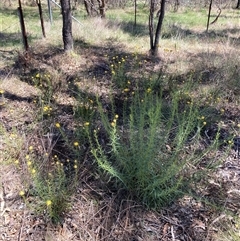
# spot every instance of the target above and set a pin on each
(224, 34)
(130, 27)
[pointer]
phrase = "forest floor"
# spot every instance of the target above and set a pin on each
(96, 212)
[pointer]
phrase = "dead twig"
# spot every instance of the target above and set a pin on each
(20, 231)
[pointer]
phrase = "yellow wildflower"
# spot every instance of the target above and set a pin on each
(57, 125)
(21, 193)
(48, 203)
(76, 143)
(45, 108)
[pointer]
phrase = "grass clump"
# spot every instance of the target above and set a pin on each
(53, 193)
(228, 226)
(51, 190)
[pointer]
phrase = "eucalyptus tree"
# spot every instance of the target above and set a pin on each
(92, 9)
(101, 4)
(67, 25)
(238, 4)
(155, 34)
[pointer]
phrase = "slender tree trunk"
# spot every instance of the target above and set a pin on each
(151, 23)
(159, 27)
(22, 23)
(135, 14)
(88, 7)
(238, 4)
(176, 5)
(41, 17)
(101, 4)
(67, 25)
(154, 43)
(209, 13)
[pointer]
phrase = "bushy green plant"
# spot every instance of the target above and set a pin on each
(51, 190)
(146, 148)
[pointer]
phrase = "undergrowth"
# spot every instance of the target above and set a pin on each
(147, 145)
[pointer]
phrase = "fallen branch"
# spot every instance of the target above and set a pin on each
(215, 20)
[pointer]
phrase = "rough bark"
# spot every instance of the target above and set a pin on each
(67, 25)
(89, 7)
(101, 4)
(92, 10)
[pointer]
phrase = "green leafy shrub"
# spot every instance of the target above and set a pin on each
(146, 150)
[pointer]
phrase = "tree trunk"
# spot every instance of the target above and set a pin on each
(176, 5)
(154, 44)
(238, 4)
(88, 7)
(151, 24)
(91, 8)
(135, 14)
(67, 25)
(22, 23)
(209, 14)
(101, 4)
